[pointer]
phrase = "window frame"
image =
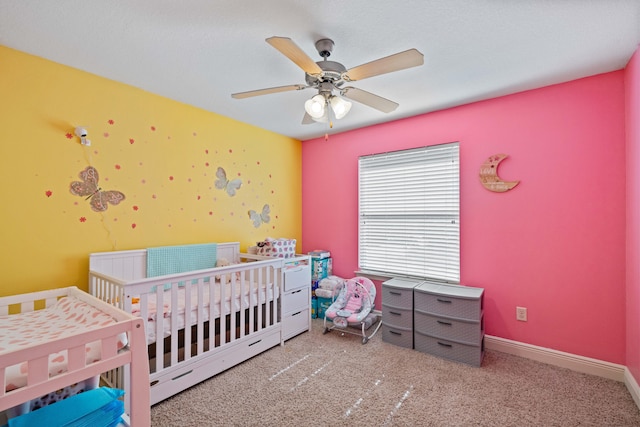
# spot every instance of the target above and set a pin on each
(409, 213)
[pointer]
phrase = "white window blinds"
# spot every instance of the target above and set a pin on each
(409, 212)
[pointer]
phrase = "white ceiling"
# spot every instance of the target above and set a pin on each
(201, 51)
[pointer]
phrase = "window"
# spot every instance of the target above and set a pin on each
(409, 213)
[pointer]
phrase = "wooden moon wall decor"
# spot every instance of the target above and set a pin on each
(489, 175)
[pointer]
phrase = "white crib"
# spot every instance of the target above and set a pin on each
(211, 319)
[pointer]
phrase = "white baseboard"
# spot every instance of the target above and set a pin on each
(574, 362)
(558, 358)
(632, 386)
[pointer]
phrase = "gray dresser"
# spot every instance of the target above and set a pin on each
(397, 311)
(448, 321)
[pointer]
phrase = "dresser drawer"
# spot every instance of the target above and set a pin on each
(295, 300)
(459, 302)
(462, 331)
(398, 292)
(295, 323)
(297, 277)
(469, 354)
(401, 317)
(402, 337)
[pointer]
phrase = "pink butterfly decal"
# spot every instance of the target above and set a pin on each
(89, 188)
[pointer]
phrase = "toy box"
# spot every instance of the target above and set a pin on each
(321, 268)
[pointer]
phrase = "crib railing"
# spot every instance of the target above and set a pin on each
(218, 317)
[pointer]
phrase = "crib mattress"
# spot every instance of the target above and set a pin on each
(66, 317)
(247, 295)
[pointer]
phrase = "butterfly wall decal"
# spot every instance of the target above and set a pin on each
(260, 218)
(222, 183)
(89, 189)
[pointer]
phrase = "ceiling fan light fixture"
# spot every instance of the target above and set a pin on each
(315, 106)
(339, 106)
(324, 118)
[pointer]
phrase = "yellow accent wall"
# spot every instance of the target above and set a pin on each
(161, 154)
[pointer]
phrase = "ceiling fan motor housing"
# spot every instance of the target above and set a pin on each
(331, 72)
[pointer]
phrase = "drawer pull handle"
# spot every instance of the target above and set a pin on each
(444, 344)
(181, 375)
(395, 333)
(444, 323)
(295, 292)
(445, 301)
(395, 293)
(254, 343)
(395, 314)
(295, 314)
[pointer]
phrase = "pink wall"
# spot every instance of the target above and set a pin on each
(632, 86)
(555, 244)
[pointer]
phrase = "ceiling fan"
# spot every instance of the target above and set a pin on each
(329, 76)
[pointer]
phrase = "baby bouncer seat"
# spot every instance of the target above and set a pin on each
(352, 308)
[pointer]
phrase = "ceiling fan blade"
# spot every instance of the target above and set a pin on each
(249, 94)
(307, 120)
(367, 98)
(288, 48)
(399, 61)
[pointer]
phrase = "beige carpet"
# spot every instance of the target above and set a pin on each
(334, 380)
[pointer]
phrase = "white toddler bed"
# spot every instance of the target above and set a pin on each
(53, 339)
(212, 319)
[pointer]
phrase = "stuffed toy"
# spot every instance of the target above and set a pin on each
(223, 262)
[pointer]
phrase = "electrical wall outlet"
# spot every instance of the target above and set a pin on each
(521, 314)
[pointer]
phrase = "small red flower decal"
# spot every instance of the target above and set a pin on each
(210, 213)
(131, 140)
(206, 164)
(153, 128)
(118, 167)
(106, 134)
(133, 225)
(110, 121)
(230, 150)
(48, 193)
(258, 162)
(135, 207)
(171, 178)
(82, 219)
(68, 135)
(206, 151)
(198, 197)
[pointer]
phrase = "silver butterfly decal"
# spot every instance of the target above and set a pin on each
(222, 183)
(260, 218)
